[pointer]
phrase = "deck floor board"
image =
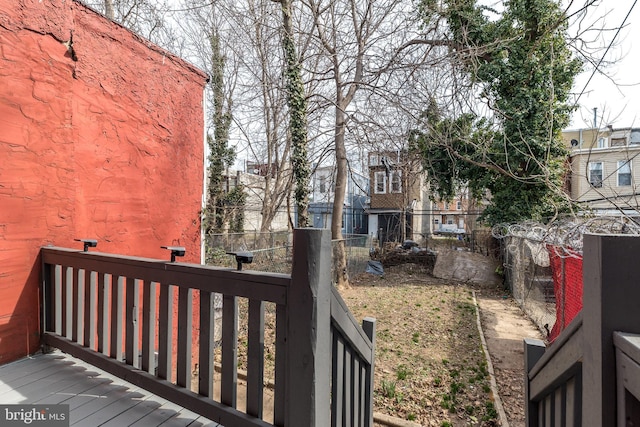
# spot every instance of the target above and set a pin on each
(95, 398)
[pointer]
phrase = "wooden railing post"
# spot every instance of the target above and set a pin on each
(307, 390)
(610, 303)
(369, 327)
(533, 351)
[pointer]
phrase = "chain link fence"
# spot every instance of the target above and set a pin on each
(542, 265)
(272, 252)
(528, 275)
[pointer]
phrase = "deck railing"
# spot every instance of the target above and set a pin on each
(118, 313)
(590, 375)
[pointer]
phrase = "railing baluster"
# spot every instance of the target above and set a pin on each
(89, 310)
(67, 322)
(229, 380)
(280, 365)
(117, 300)
(78, 288)
(255, 358)
(132, 335)
(355, 391)
(337, 385)
(57, 280)
(362, 404)
(207, 338)
(348, 386)
(165, 333)
(149, 327)
(185, 327)
(104, 281)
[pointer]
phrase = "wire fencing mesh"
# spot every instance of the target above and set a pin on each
(272, 252)
(543, 265)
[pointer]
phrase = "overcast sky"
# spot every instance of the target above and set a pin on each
(617, 101)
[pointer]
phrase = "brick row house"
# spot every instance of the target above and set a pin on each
(398, 197)
(454, 217)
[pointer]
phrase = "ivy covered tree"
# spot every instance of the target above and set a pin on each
(221, 156)
(297, 102)
(523, 69)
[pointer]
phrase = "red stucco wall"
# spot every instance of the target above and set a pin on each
(103, 140)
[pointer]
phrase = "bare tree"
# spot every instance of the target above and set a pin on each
(149, 18)
(350, 35)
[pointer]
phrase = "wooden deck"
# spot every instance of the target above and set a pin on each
(95, 398)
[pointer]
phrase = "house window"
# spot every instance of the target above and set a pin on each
(595, 174)
(450, 219)
(374, 160)
(624, 172)
(618, 142)
(380, 184)
(322, 184)
(602, 142)
(459, 205)
(446, 206)
(396, 182)
(436, 220)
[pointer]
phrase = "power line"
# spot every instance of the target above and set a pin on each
(605, 52)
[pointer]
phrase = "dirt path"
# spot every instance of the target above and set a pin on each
(505, 326)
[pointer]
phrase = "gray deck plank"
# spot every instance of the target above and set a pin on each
(78, 389)
(25, 379)
(103, 409)
(115, 414)
(183, 418)
(161, 415)
(25, 366)
(59, 380)
(95, 397)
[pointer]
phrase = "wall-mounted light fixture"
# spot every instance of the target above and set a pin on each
(88, 243)
(242, 258)
(175, 251)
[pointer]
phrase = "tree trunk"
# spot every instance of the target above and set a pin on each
(341, 275)
(108, 9)
(297, 118)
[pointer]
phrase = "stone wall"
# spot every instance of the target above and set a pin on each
(101, 136)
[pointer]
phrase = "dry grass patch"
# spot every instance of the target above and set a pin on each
(430, 367)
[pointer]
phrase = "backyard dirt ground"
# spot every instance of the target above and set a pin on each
(430, 366)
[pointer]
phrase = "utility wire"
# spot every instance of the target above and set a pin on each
(605, 52)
